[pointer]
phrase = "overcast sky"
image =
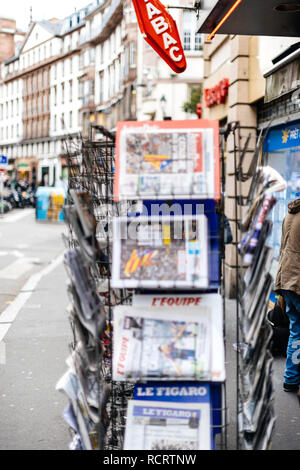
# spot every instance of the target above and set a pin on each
(41, 9)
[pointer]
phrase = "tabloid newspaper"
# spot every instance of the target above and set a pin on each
(160, 251)
(202, 302)
(163, 343)
(164, 159)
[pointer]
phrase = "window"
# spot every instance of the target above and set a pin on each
(187, 40)
(54, 122)
(92, 56)
(62, 120)
(192, 41)
(62, 93)
(198, 42)
(71, 119)
(101, 83)
(62, 68)
(71, 90)
(132, 54)
(55, 95)
(71, 65)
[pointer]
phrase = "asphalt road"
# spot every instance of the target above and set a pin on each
(35, 336)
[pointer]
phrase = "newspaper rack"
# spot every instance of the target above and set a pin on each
(100, 403)
(254, 281)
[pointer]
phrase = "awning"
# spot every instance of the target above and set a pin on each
(250, 17)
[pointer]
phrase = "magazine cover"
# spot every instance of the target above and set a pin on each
(161, 251)
(212, 303)
(163, 159)
(156, 343)
(160, 426)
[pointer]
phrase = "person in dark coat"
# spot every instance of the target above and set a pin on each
(288, 285)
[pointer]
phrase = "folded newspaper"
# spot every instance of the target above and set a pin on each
(158, 160)
(164, 343)
(160, 251)
(160, 426)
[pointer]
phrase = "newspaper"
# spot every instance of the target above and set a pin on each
(160, 343)
(167, 426)
(211, 302)
(158, 160)
(164, 251)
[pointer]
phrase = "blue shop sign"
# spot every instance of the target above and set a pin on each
(283, 137)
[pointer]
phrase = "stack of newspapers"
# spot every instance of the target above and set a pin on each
(169, 340)
(257, 415)
(84, 382)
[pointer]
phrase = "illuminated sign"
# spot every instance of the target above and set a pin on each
(160, 32)
(217, 94)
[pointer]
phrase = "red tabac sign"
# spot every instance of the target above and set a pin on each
(160, 31)
(218, 94)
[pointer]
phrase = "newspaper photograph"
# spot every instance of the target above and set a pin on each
(154, 344)
(160, 251)
(167, 426)
(157, 159)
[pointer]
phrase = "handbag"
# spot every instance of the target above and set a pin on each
(280, 323)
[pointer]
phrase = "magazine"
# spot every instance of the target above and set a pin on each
(156, 160)
(167, 426)
(166, 252)
(161, 343)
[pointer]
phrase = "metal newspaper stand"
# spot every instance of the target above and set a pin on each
(254, 281)
(91, 164)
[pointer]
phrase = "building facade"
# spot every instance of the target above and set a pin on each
(91, 67)
(234, 90)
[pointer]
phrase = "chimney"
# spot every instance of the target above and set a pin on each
(7, 40)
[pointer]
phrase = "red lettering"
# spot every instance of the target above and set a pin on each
(217, 94)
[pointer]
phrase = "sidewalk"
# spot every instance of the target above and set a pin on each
(287, 429)
(36, 348)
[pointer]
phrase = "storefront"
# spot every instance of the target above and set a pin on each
(281, 150)
(25, 169)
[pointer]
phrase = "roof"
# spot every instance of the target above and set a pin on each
(58, 28)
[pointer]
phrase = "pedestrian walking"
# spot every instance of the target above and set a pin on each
(288, 285)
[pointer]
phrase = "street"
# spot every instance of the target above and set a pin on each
(35, 336)
(34, 333)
